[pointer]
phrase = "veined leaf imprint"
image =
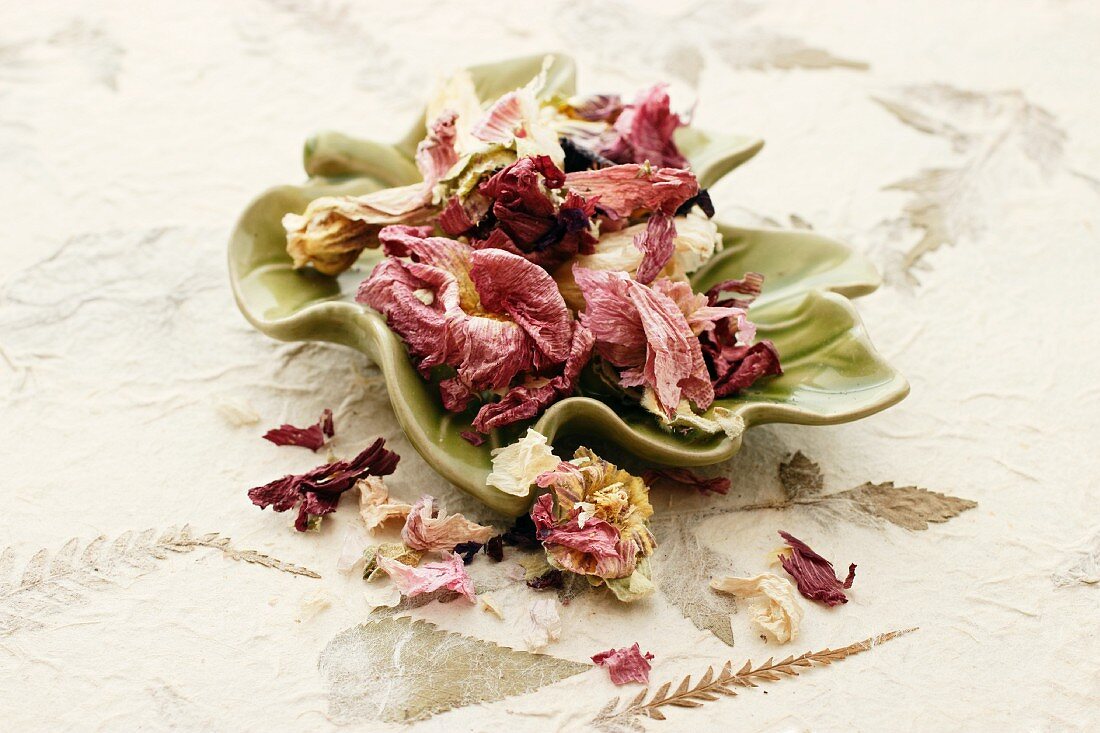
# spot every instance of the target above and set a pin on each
(399, 670)
(1001, 136)
(51, 582)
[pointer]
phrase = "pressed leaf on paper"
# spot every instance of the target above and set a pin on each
(906, 506)
(1001, 136)
(682, 569)
(400, 670)
(52, 582)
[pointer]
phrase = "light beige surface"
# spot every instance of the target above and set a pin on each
(131, 136)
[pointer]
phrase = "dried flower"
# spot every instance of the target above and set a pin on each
(814, 574)
(594, 522)
(318, 491)
(313, 437)
(515, 120)
(457, 306)
(734, 362)
(334, 230)
(449, 573)
(626, 665)
(643, 331)
(425, 530)
(777, 610)
(516, 466)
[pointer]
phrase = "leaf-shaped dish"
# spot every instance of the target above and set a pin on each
(832, 374)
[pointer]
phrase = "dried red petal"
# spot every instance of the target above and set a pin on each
(494, 548)
(690, 479)
(313, 437)
(734, 368)
(626, 665)
(475, 439)
(813, 574)
(467, 550)
(318, 491)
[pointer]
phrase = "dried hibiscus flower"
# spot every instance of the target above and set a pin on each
(314, 437)
(595, 522)
(317, 492)
(814, 574)
(449, 573)
(334, 230)
(626, 665)
(458, 306)
(648, 336)
(425, 530)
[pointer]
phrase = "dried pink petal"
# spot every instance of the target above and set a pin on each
(657, 244)
(474, 439)
(318, 491)
(450, 573)
(313, 437)
(595, 107)
(645, 131)
(425, 530)
(682, 477)
(627, 190)
(813, 574)
(626, 665)
(643, 332)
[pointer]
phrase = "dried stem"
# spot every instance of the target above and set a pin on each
(709, 687)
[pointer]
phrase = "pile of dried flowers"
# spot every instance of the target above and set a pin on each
(549, 235)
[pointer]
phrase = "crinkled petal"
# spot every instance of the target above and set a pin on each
(657, 245)
(375, 506)
(313, 437)
(645, 131)
(516, 466)
(644, 332)
(318, 491)
(626, 665)
(814, 574)
(777, 610)
(450, 573)
(626, 190)
(425, 530)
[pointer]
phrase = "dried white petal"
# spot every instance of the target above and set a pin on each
(775, 599)
(516, 466)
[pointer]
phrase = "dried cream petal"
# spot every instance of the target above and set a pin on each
(375, 506)
(776, 602)
(424, 530)
(515, 467)
(489, 604)
(458, 94)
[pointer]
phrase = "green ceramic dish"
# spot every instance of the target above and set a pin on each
(832, 374)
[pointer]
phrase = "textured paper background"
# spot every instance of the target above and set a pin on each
(132, 135)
